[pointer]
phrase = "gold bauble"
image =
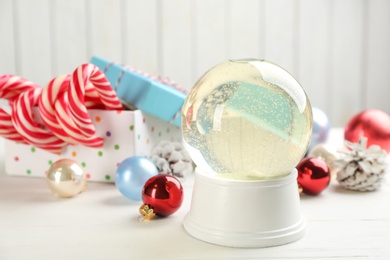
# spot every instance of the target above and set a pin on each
(328, 154)
(66, 178)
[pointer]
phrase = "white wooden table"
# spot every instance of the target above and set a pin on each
(102, 224)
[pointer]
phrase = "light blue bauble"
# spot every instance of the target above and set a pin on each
(132, 174)
(321, 128)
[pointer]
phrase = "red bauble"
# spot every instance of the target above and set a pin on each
(313, 175)
(163, 193)
(373, 124)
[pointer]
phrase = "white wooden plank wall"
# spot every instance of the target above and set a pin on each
(338, 50)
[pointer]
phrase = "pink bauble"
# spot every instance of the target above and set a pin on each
(373, 124)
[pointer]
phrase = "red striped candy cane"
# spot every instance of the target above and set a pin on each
(77, 91)
(7, 129)
(51, 94)
(24, 123)
(10, 88)
(64, 117)
(62, 105)
(47, 100)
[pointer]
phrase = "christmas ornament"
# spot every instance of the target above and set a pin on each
(246, 124)
(361, 169)
(313, 175)
(66, 178)
(372, 124)
(162, 196)
(328, 154)
(321, 127)
(171, 158)
(131, 175)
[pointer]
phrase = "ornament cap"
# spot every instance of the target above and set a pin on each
(147, 213)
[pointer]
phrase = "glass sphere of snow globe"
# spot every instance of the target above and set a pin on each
(247, 120)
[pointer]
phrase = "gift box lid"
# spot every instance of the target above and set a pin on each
(145, 93)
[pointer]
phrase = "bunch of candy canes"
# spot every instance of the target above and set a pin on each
(62, 105)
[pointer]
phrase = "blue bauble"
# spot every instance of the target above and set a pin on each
(321, 127)
(131, 175)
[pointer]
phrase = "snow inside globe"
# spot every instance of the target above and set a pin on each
(247, 120)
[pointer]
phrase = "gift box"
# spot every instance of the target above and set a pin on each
(145, 93)
(126, 133)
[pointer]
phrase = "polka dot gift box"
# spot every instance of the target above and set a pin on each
(125, 133)
(76, 116)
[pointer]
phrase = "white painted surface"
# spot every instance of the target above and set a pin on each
(65, 53)
(338, 50)
(347, 57)
(7, 37)
(314, 46)
(377, 80)
(140, 35)
(102, 224)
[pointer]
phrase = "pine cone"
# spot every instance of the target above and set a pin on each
(361, 169)
(171, 158)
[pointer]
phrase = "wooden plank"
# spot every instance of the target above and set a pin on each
(104, 29)
(341, 224)
(176, 41)
(140, 35)
(314, 52)
(279, 34)
(338, 50)
(245, 29)
(7, 38)
(33, 34)
(211, 41)
(378, 55)
(68, 33)
(346, 64)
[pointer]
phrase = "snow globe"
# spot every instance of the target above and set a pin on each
(246, 124)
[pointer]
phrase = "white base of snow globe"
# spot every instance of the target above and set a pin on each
(248, 214)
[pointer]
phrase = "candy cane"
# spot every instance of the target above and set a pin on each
(47, 100)
(7, 129)
(60, 123)
(10, 88)
(64, 117)
(77, 92)
(24, 123)
(55, 105)
(62, 105)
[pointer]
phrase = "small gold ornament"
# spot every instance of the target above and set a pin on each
(329, 155)
(66, 178)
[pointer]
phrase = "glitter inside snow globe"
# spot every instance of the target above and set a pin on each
(246, 124)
